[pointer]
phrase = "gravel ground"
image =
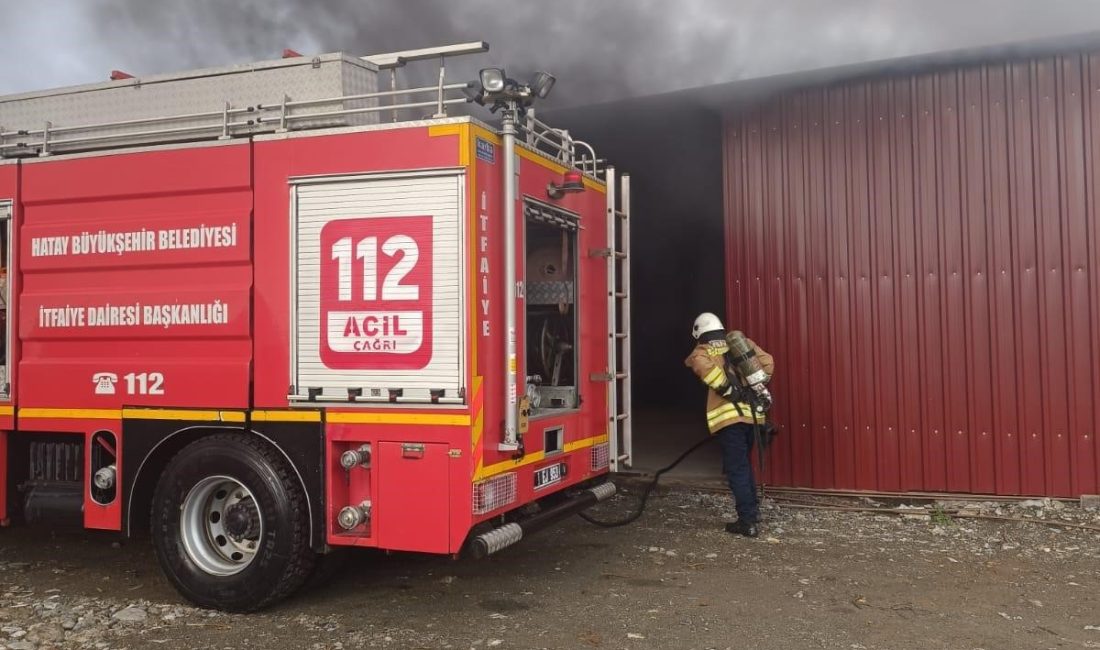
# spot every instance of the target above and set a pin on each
(814, 579)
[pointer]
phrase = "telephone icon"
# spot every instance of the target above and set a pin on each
(104, 383)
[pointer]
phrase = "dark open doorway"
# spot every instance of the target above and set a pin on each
(674, 155)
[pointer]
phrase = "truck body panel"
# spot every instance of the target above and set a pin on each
(326, 290)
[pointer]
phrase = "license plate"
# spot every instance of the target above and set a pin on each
(549, 475)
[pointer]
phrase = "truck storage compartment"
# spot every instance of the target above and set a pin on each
(411, 514)
(380, 293)
(189, 105)
(551, 253)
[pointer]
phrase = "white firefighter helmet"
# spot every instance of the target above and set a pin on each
(706, 322)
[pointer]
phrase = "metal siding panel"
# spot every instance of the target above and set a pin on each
(1029, 411)
(953, 314)
(756, 319)
(1079, 352)
(860, 242)
(821, 399)
(1092, 179)
(752, 234)
(928, 256)
(733, 173)
(771, 331)
(908, 332)
(840, 294)
(742, 244)
(797, 415)
(1092, 213)
(935, 261)
(1052, 322)
(883, 149)
(978, 394)
(1003, 367)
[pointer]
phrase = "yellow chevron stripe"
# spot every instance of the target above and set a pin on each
(477, 429)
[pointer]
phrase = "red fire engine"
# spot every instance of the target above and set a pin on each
(269, 311)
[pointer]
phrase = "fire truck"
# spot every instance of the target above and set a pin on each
(267, 312)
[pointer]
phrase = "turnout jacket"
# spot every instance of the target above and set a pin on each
(708, 361)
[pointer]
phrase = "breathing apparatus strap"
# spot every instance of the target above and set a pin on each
(735, 361)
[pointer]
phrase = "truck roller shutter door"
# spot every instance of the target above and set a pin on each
(379, 287)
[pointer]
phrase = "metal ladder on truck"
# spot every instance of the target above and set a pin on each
(618, 319)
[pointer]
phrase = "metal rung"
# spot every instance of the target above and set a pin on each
(618, 317)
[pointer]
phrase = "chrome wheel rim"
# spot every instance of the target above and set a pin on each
(215, 547)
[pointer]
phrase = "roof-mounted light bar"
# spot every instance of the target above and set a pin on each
(398, 59)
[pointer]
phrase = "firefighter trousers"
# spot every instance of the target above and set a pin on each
(737, 443)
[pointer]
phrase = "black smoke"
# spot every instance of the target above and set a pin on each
(607, 51)
(600, 51)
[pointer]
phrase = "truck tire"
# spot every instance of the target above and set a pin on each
(230, 524)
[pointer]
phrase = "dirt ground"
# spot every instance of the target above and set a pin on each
(675, 579)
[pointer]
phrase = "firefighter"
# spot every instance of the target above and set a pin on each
(728, 417)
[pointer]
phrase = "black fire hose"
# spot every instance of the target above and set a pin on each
(649, 487)
(632, 517)
(758, 440)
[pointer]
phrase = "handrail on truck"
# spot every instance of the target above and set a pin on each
(287, 114)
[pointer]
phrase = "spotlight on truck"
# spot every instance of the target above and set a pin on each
(492, 80)
(542, 84)
(495, 89)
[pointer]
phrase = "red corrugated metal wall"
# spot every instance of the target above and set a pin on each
(922, 255)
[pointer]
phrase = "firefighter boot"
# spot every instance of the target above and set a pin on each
(740, 527)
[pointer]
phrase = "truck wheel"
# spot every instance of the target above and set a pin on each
(231, 524)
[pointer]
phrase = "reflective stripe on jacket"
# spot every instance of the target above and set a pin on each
(707, 360)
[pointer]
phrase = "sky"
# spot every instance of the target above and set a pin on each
(600, 50)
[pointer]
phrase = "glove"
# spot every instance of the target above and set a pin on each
(763, 402)
(726, 391)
